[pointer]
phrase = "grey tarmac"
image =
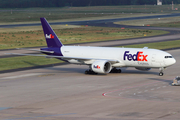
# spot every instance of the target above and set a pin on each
(66, 93)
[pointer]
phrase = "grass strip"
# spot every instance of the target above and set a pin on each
(34, 38)
(157, 45)
(170, 24)
(25, 61)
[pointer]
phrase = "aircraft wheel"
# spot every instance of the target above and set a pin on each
(90, 72)
(114, 70)
(86, 72)
(161, 74)
(119, 70)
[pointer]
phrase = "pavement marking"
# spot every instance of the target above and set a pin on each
(145, 90)
(20, 76)
(104, 94)
(138, 93)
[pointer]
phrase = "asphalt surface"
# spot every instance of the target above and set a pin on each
(66, 93)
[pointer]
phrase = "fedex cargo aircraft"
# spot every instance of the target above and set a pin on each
(103, 60)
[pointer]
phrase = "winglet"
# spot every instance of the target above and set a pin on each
(51, 38)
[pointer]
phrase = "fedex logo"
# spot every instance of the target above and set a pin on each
(49, 36)
(135, 57)
(97, 66)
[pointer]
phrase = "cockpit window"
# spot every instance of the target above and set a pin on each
(168, 57)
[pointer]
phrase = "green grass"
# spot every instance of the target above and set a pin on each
(30, 61)
(157, 45)
(25, 61)
(34, 38)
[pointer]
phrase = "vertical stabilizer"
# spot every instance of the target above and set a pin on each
(51, 38)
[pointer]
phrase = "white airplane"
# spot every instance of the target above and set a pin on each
(103, 60)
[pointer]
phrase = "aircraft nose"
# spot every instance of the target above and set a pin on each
(170, 62)
(173, 61)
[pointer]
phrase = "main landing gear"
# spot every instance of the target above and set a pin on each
(161, 71)
(115, 70)
(90, 72)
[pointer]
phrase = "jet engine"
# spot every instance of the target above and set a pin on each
(101, 66)
(143, 69)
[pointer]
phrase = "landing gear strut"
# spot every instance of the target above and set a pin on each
(115, 70)
(161, 71)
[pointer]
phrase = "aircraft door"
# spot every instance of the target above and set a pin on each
(153, 58)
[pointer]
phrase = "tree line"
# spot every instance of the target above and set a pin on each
(76, 3)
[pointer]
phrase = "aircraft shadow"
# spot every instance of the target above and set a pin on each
(139, 72)
(82, 70)
(62, 69)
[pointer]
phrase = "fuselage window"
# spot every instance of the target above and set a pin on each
(168, 57)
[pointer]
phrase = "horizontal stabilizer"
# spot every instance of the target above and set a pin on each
(35, 50)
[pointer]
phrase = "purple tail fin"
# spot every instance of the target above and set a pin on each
(51, 38)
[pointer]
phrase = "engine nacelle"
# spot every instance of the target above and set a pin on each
(143, 69)
(101, 66)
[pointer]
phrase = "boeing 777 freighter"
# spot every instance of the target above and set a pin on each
(103, 60)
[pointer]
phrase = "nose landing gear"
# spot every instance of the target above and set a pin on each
(161, 74)
(161, 71)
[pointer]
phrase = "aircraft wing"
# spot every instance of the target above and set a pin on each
(65, 58)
